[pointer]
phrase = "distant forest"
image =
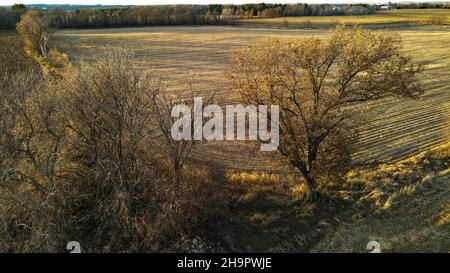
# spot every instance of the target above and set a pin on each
(68, 16)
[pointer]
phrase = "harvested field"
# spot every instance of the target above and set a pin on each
(381, 19)
(399, 129)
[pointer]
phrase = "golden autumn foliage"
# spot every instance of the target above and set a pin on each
(318, 84)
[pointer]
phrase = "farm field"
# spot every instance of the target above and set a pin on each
(81, 160)
(391, 18)
(398, 130)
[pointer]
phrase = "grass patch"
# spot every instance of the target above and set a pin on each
(403, 206)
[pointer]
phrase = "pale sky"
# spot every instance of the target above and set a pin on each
(161, 2)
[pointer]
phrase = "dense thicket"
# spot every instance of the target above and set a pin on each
(81, 159)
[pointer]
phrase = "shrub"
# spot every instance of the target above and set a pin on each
(81, 161)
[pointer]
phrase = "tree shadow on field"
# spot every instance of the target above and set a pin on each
(266, 218)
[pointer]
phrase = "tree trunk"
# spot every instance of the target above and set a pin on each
(43, 45)
(310, 184)
(311, 189)
(44, 51)
(177, 171)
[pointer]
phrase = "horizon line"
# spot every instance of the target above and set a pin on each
(211, 2)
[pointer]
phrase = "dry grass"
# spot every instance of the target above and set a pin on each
(265, 217)
(404, 206)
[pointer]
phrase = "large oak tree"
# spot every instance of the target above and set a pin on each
(318, 84)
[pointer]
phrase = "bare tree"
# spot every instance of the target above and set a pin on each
(82, 157)
(35, 29)
(162, 103)
(317, 83)
(31, 142)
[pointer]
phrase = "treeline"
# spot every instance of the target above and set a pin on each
(430, 5)
(176, 14)
(10, 17)
(122, 16)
